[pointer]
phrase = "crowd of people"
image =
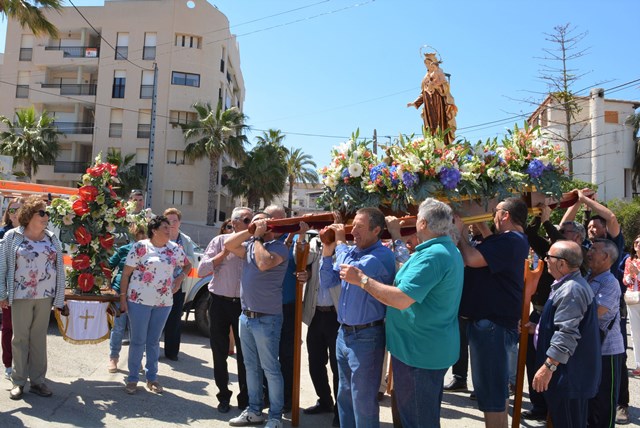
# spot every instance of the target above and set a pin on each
(430, 300)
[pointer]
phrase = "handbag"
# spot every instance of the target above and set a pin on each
(632, 297)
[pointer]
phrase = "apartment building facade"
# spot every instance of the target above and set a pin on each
(603, 144)
(97, 80)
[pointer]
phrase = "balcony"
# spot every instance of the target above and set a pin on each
(71, 167)
(22, 91)
(146, 91)
(26, 54)
(76, 51)
(74, 127)
(149, 53)
(72, 89)
(144, 130)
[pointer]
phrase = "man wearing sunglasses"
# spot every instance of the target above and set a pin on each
(224, 308)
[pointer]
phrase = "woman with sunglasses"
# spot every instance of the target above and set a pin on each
(9, 221)
(31, 279)
(632, 281)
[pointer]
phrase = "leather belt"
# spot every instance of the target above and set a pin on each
(228, 299)
(252, 314)
(353, 328)
(326, 308)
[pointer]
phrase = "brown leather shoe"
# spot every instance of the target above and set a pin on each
(42, 390)
(16, 392)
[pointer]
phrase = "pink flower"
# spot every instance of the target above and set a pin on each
(147, 277)
(141, 251)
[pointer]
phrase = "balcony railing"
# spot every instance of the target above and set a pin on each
(22, 91)
(72, 89)
(74, 127)
(70, 167)
(76, 51)
(146, 91)
(115, 130)
(149, 52)
(26, 54)
(144, 130)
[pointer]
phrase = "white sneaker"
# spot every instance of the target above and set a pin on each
(246, 418)
(7, 372)
(273, 423)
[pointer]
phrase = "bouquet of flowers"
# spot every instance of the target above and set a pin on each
(416, 168)
(90, 220)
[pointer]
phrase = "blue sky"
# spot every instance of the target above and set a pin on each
(336, 65)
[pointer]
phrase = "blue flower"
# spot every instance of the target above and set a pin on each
(394, 181)
(535, 168)
(450, 177)
(345, 173)
(376, 171)
(409, 179)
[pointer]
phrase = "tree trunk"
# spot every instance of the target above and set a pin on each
(211, 196)
(290, 200)
(27, 168)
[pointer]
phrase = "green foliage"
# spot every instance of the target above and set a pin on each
(31, 14)
(628, 214)
(127, 175)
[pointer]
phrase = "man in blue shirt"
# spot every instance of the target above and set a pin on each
(361, 338)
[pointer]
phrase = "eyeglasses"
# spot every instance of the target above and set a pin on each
(495, 210)
(547, 256)
(228, 227)
(245, 220)
(13, 210)
(43, 213)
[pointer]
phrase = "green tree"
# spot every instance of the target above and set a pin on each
(628, 214)
(31, 139)
(634, 121)
(211, 135)
(300, 168)
(127, 174)
(31, 14)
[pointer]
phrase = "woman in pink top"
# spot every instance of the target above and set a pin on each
(630, 279)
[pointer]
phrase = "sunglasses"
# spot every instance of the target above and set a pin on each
(548, 256)
(228, 227)
(245, 220)
(43, 213)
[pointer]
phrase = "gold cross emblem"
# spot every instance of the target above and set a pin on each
(86, 318)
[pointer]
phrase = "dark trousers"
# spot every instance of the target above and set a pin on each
(623, 397)
(567, 413)
(321, 347)
(460, 369)
(536, 398)
(286, 350)
(7, 334)
(602, 408)
(223, 315)
(173, 327)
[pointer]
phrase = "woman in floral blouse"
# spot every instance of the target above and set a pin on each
(146, 294)
(31, 279)
(632, 281)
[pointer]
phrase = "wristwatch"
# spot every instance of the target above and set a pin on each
(259, 239)
(552, 367)
(364, 281)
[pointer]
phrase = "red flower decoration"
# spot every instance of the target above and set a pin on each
(122, 212)
(80, 207)
(97, 170)
(106, 241)
(85, 282)
(105, 270)
(88, 193)
(113, 169)
(81, 262)
(113, 194)
(82, 235)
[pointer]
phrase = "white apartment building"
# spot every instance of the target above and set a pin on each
(97, 80)
(603, 145)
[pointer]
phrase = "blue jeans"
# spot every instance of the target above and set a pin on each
(418, 394)
(488, 344)
(260, 341)
(511, 344)
(147, 323)
(359, 356)
(117, 333)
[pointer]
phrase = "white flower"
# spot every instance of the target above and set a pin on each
(355, 170)
(330, 182)
(67, 220)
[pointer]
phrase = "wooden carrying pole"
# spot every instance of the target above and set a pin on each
(531, 278)
(302, 254)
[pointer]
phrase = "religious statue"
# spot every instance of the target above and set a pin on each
(438, 107)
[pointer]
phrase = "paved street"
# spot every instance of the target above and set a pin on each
(86, 395)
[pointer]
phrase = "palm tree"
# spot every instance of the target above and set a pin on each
(259, 176)
(634, 121)
(300, 167)
(212, 135)
(127, 174)
(31, 140)
(31, 14)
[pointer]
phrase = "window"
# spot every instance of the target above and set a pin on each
(188, 41)
(26, 47)
(186, 79)
(146, 88)
(178, 197)
(177, 116)
(115, 123)
(144, 124)
(119, 82)
(149, 50)
(22, 88)
(611, 116)
(222, 60)
(177, 157)
(122, 46)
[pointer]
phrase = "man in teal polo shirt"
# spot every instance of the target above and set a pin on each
(422, 315)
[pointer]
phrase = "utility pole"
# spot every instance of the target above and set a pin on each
(375, 142)
(152, 135)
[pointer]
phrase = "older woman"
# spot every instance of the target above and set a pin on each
(9, 221)
(146, 294)
(31, 278)
(631, 279)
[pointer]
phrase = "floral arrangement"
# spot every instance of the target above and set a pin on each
(416, 168)
(89, 221)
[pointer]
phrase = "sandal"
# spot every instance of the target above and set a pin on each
(155, 387)
(635, 372)
(131, 387)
